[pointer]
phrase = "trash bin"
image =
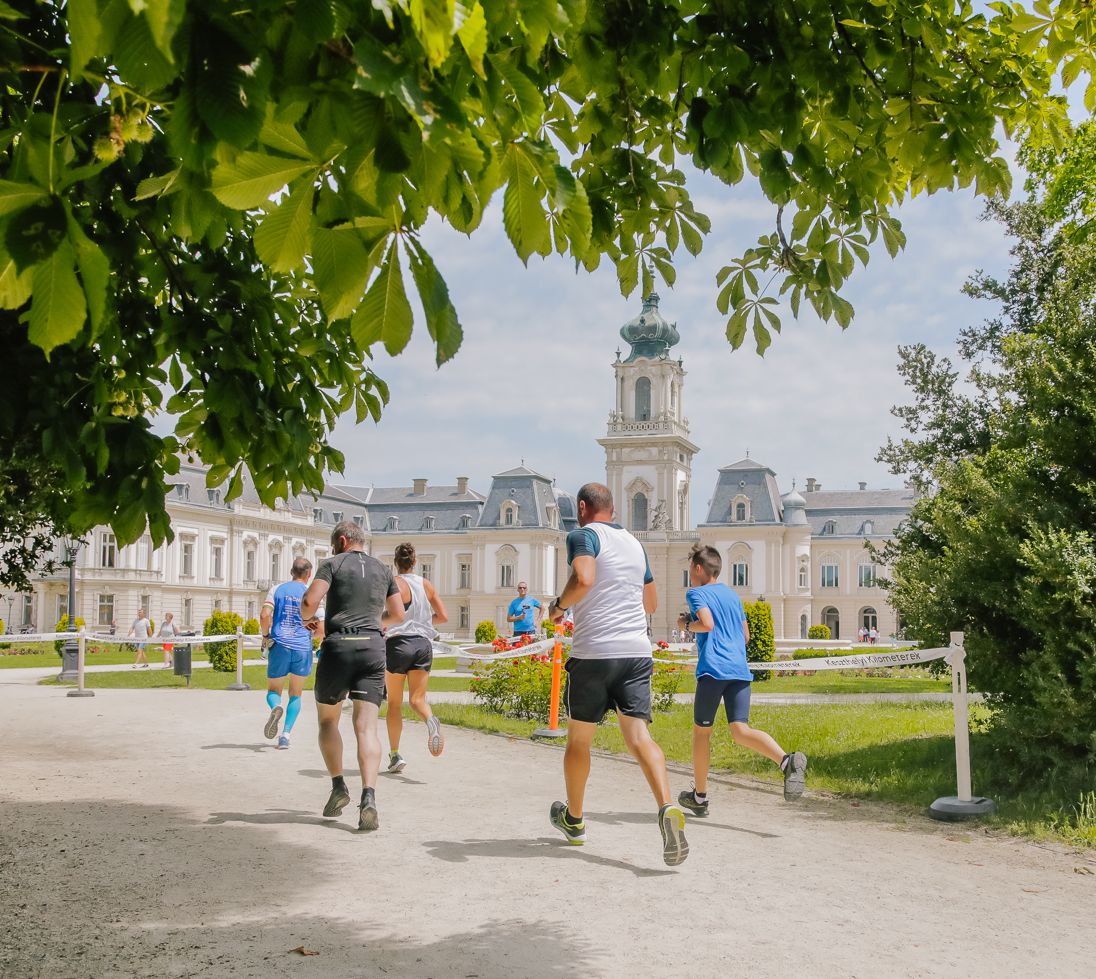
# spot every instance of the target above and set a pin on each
(182, 657)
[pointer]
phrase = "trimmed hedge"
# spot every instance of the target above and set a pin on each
(222, 655)
(486, 631)
(818, 632)
(762, 645)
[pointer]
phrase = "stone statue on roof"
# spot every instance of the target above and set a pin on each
(658, 516)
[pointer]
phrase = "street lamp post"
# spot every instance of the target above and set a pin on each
(70, 651)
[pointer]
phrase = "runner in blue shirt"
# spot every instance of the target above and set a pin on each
(717, 617)
(522, 610)
(290, 648)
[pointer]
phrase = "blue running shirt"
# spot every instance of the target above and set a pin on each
(288, 628)
(721, 653)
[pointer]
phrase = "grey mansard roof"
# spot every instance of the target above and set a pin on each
(532, 492)
(439, 509)
(752, 480)
(849, 511)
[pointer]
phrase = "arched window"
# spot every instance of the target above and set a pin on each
(639, 511)
(740, 508)
(427, 523)
(868, 528)
(832, 618)
(393, 523)
(803, 580)
(869, 618)
(507, 565)
(643, 399)
(804, 625)
(465, 521)
(509, 516)
(740, 512)
(829, 527)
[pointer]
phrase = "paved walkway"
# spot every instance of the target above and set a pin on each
(157, 834)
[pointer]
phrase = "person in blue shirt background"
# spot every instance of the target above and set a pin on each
(718, 619)
(524, 612)
(290, 643)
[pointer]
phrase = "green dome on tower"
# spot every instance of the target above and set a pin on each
(649, 334)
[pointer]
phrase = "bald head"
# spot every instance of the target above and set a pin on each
(595, 502)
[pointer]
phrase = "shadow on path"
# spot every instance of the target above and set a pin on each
(649, 819)
(459, 851)
(277, 816)
(240, 747)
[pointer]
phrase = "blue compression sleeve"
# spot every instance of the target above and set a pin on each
(273, 698)
(291, 713)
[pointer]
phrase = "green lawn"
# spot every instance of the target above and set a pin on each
(44, 655)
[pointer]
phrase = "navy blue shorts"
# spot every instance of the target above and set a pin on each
(282, 660)
(735, 695)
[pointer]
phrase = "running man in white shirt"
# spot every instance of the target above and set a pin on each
(611, 591)
(409, 647)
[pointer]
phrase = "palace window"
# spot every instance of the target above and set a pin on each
(685, 578)
(186, 566)
(465, 576)
(214, 497)
(465, 521)
(639, 511)
(462, 617)
(359, 519)
(428, 571)
(427, 523)
(865, 575)
(106, 610)
(188, 612)
(317, 514)
(62, 607)
(508, 559)
(643, 399)
(336, 516)
(802, 578)
(216, 560)
(868, 528)
(28, 608)
(509, 514)
(108, 550)
(740, 575)
(740, 512)
(829, 528)
(182, 490)
(393, 523)
(275, 566)
(829, 576)
(251, 610)
(249, 564)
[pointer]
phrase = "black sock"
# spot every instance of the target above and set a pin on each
(699, 796)
(569, 818)
(338, 783)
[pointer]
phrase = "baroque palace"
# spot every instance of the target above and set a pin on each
(805, 553)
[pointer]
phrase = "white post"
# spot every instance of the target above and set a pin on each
(964, 805)
(239, 684)
(81, 653)
(962, 717)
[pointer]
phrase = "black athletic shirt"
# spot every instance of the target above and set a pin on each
(359, 585)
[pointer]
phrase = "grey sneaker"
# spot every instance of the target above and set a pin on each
(336, 802)
(688, 800)
(271, 729)
(368, 820)
(675, 848)
(283, 743)
(435, 741)
(795, 776)
(396, 762)
(574, 831)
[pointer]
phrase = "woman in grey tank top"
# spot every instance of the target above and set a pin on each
(410, 654)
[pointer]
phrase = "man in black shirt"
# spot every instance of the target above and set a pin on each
(362, 600)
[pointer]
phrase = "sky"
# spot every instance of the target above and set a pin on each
(533, 380)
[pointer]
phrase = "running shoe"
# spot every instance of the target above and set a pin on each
(675, 848)
(271, 729)
(368, 819)
(283, 742)
(435, 741)
(795, 776)
(688, 800)
(396, 762)
(337, 801)
(573, 832)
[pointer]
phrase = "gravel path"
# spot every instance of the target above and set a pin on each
(156, 834)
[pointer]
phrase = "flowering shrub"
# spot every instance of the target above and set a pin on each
(662, 644)
(520, 688)
(665, 682)
(567, 626)
(504, 645)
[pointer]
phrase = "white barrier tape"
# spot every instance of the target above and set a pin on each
(855, 661)
(250, 641)
(533, 649)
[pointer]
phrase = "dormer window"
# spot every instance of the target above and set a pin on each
(740, 511)
(317, 514)
(868, 529)
(337, 516)
(183, 490)
(427, 523)
(829, 528)
(359, 519)
(393, 523)
(740, 508)
(214, 497)
(509, 515)
(465, 521)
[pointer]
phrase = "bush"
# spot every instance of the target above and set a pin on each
(519, 688)
(3, 645)
(665, 682)
(486, 631)
(62, 625)
(251, 627)
(762, 645)
(818, 632)
(549, 628)
(222, 655)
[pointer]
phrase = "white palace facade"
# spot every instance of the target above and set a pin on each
(805, 553)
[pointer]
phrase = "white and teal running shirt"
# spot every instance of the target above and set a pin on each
(610, 622)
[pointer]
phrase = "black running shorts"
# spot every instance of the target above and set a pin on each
(406, 653)
(351, 666)
(735, 695)
(595, 686)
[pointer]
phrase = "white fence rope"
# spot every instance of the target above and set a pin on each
(854, 661)
(250, 641)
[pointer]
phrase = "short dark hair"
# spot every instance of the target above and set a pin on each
(351, 531)
(405, 557)
(597, 497)
(708, 558)
(301, 567)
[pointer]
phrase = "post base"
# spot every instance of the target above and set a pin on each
(952, 809)
(81, 693)
(547, 732)
(238, 686)
(66, 677)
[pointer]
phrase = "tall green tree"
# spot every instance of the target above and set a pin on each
(213, 208)
(1003, 543)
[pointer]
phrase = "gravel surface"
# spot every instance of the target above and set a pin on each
(156, 833)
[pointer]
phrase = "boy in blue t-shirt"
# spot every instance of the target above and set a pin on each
(718, 619)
